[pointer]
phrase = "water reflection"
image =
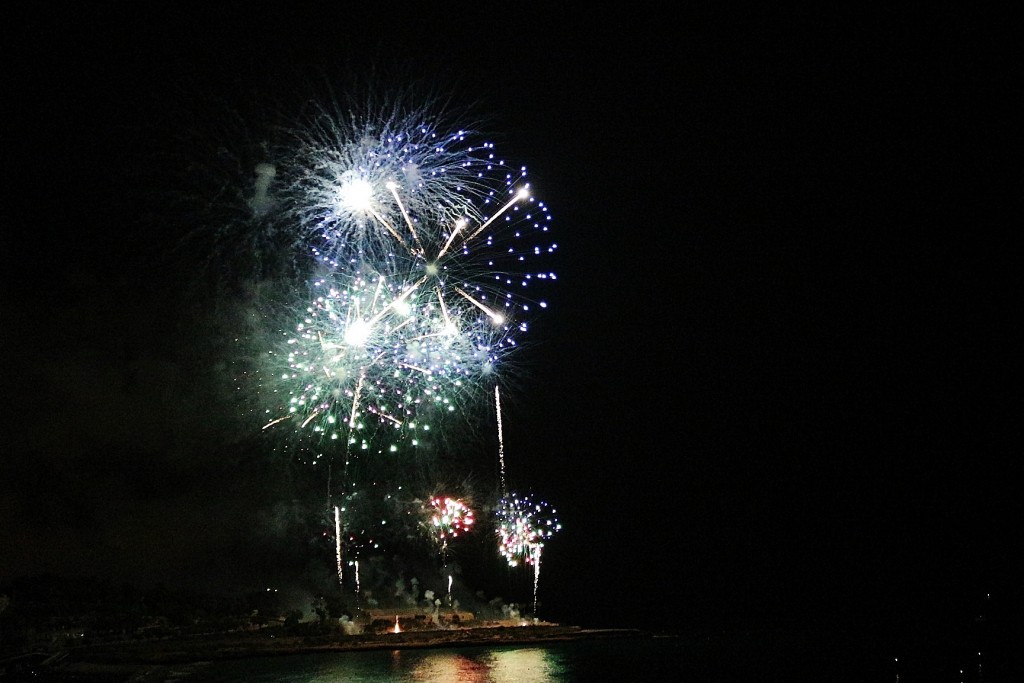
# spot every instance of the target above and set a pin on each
(529, 665)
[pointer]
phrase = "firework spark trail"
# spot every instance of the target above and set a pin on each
(535, 551)
(337, 545)
(501, 441)
(358, 544)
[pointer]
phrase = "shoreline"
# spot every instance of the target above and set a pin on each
(137, 660)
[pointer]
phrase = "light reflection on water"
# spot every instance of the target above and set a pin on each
(532, 665)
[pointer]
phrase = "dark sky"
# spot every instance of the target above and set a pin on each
(777, 380)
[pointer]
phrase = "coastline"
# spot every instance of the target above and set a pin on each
(142, 660)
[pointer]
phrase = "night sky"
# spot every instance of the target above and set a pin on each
(777, 381)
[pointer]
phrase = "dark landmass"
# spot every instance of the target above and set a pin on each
(228, 647)
(150, 659)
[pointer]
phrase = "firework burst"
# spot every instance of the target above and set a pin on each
(446, 518)
(523, 526)
(373, 352)
(389, 186)
(390, 175)
(427, 244)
